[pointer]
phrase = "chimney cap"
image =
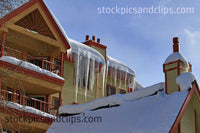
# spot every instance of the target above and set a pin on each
(175, 40)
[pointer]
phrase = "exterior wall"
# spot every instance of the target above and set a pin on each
(120, 84)
(190, 119)
(171, 81)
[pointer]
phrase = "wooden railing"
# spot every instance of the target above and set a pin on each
(44, 64)
(28, 101)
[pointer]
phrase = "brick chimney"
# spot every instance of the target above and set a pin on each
(93, 38)
(87, 37)
(98, 40)
(176, 44)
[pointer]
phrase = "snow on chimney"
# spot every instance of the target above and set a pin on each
(176, 44)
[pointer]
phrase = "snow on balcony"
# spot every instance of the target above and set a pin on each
(29, 66)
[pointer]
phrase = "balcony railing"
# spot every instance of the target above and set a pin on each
(28, 101)
(42, 63)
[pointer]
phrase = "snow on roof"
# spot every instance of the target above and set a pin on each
(9, 6)
(185, 80)
(26, 109)
(175, 57)
(119, 65)
(86, 51)
(111, 100)
(29, 66)
(152, 114)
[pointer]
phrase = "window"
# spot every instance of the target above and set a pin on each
(110, 90)
(56, 102)
(122, 91)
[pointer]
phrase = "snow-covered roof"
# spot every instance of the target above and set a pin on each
(7, 7)
(152, 114)
(86, 51)
(119, 65)
(29, 66)
(185, 80)
(175, 57)
(111, 100)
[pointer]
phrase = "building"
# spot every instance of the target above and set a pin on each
(172, 106)
(42, 69)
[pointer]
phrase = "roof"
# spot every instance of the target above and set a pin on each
(175, 57)
(119, 65)
(86, 51)
(152, 114)
(148, 110)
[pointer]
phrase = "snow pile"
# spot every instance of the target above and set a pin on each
(29, 66)
(185, 80)
(175, 57)
(152, 114)
(8, 6)
(118, 70)
(26, 109)
(119, 65)
(111, 100)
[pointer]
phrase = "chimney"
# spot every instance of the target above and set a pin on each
(176, 44)
(93, 38)
(98, 40)
(87, 37)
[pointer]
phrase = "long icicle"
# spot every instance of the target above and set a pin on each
(77, 76)
(87, 65)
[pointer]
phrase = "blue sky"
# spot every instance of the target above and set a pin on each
(142, 41)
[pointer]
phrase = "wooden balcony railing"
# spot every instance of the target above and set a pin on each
(28, 101)
(42, 63)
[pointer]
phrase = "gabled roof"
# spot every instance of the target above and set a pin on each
(16, 9)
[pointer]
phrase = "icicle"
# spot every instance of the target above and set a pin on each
(86, 76)
(115, 77)
(76, 75)
(103, 73)
(125, 79)
(120, 79)
(97, 68)
(92, 73)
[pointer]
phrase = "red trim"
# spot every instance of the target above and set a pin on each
(31, 73)
(90, 43)
(179, 128)
(74, 103)
(193, 90)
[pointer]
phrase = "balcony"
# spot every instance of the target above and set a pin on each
(14, 100)
(38, 75)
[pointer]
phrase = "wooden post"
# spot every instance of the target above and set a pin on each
(60, 98)
(3, 42)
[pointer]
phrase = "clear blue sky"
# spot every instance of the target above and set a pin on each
(142, 41)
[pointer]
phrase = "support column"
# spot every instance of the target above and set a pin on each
(60, 98)
(62, 64)
(3, 42)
